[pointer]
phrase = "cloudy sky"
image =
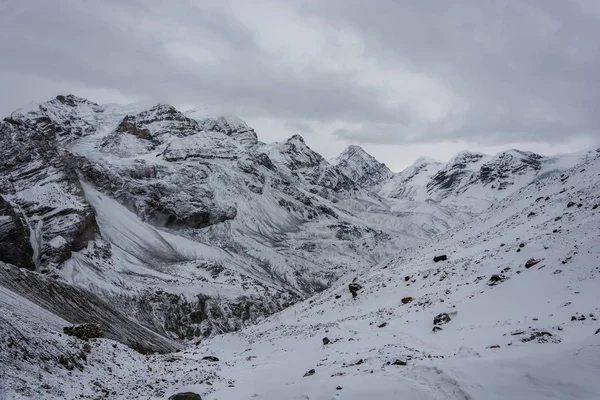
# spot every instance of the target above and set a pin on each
(400, 78)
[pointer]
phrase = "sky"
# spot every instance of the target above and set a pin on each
(399, 78)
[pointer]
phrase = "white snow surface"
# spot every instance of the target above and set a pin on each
(303, 224)
(516, 331)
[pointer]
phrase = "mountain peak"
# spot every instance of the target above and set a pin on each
(362, 167)
(296, 138)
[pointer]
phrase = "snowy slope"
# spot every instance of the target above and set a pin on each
(516, 330)
(528, 314)
(151, 208)
(176, 227)
(411, 183)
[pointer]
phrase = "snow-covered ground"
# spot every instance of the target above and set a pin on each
(169, 229)
(520, 288)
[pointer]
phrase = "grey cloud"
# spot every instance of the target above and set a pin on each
(299, 126)
(64, 41)
(527, 71)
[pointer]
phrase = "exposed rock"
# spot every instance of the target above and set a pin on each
(441, 319)
(496, 279)
(436, 329)
(440, 258)
(495, 346)
(309, 373)
(570, 204)
(354, 288)
(326, 341)
(15, 246)
(382, 325)
(185, 396)
(210, 358)
(531, 262)
(407, 300)
(84, 331)
(398, 362)
(406, 278)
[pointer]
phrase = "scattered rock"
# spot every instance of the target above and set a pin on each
(496, 279)
(441, 319)
(531, 214)
(570, 204)
(539, 336)
(531, 262)
(496, 346)
(186, 396)
(443, 257)
(210, 358)
(87, 347)
(326, 341)
(406, 278)
(382, 325)
(84, 331)
(399, 362)
(309, 373)
(436, 329)
(354, 288)
(407, 300)
(521, 245)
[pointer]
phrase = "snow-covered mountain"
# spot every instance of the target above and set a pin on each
(166, 228)
(411, 183)
(503, 306)
(361, 167)
(152, 210)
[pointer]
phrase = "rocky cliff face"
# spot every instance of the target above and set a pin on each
(40, 179)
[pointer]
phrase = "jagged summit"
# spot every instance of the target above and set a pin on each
(362, 167)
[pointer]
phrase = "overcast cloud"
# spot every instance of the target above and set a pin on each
(400, 78)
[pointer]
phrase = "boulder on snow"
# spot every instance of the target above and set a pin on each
(84, 331)
(436, 329)
(531, 262)
(443, 257)
(496, 279)
(185, 396)
(210, 358)
(406, 278)
(597, 331)
(354, 288)
(309, 373)
(441, 319)
(326, 341)
(407, 300)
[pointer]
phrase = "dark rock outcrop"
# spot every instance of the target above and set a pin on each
(443, 257)
(185, 396)
(15, 247)
(441, 319)
(354, 288)
(84, 331)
